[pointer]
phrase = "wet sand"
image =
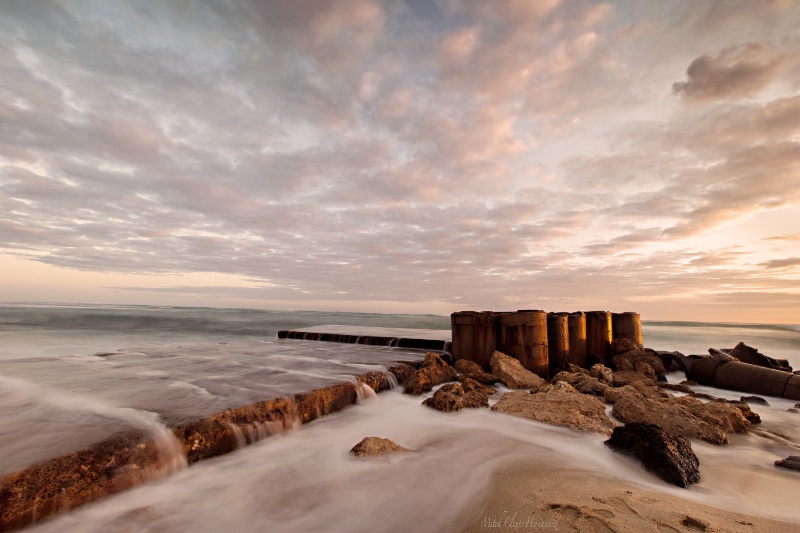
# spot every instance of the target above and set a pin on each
(528, 498)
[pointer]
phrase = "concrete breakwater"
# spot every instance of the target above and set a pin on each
(132, 458)
(367, 339)
(544, 343)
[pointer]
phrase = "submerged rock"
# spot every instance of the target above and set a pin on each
(434, 371)
(792, 463)
(670, 458)
(558, 405)
(471, 369)
(453, 397)
(374, 446)
(511, 372)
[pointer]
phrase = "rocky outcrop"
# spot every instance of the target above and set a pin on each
(630, 405)
(472, 370)
(792, 463)
(602, 373)
(511, 372)
(376, 446)
(582, 382)
(434, 371)
(670, 458)
(558, 404)
(747, 354)
(453, 397)
(629, 360)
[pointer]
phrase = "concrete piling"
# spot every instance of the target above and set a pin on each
(474, 336)
(523, 335)
(598, 335)
(557, 342)
(576, 323)
(627, 326)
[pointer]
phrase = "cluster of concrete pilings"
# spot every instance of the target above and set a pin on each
(544, 343)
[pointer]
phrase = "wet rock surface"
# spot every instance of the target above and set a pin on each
(792, 463)
(376, 446)
(582, 382)
(470, 384)
(452, 397)
(471, 369)
(434, 371)
(511, 372)
(670, 458)
(558, 404)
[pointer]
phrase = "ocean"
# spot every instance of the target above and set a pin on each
(71, 375)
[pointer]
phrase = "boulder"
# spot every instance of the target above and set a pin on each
(470, 384)
(629, 374)
(471, 369)
(511, 372)
(619, 361)
(747, 354)
(622, 345)
(792, 463)
(750, 415)
(630, 405)
(575, 369)
(670, 458)
(558, 404)
(582, 382)
(434, 371)
(723, 415)
(453, 397)
(375, 446)
(602, 373)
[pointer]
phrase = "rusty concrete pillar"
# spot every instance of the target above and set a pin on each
(576, 323)
(474, 336)
(628, 326)
(523, 335)
(598, 335)
(557, 342)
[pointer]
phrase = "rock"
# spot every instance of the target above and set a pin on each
(602, 373)
(629, 374)
(750, 415)
(575, 369)
(373, 446)
(470, 384)
(695, 523)
(792, 410)
(630, 405)
(511, 372)
(622, 345)
(434, 371)
(639, 356)
(471, 369)
(754, 399)
(453, 397)
(582, 382)
(797, 405)
(723, 415)
(792, 463)
(746, 354)
(670, 458)
(676, 387)
(558, 404)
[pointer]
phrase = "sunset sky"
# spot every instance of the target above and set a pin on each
(405, 156)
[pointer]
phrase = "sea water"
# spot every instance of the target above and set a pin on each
(70, 375)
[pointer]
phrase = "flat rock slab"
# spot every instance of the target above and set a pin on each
(558, 405)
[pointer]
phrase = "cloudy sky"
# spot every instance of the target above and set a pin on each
(416, 156)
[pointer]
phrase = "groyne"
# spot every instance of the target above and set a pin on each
(543, 342)
(370, 340)
(132, 458)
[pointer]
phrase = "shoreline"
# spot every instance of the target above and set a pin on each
(536, 497)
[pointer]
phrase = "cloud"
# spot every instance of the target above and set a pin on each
(735, 72)
(781, 263)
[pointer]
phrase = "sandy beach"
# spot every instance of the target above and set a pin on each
(527, 497)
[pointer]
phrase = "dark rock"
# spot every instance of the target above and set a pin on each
(471, 369)
(453, 397)
(575, 369)
(670, 458)
(695, 523)
(511, 372)
(375, 446)
(754, 399)
(792, 410)
(434, 371)
(792, 463)
(747, 354)
(558, 404)
(676, 387)
(797, 405)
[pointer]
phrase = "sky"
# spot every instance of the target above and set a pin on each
(409, 156)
